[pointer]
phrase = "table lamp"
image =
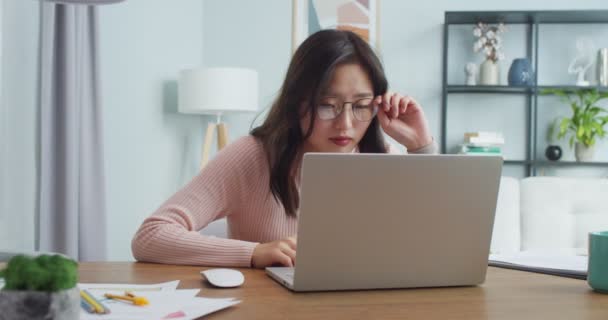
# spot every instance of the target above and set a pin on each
(217, 91)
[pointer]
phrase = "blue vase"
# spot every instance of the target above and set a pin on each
(520, 73)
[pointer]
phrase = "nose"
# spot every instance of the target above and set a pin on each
(345, 118)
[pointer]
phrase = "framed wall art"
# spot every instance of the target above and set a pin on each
(358, 16)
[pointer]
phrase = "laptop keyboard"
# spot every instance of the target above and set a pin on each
(285, 273)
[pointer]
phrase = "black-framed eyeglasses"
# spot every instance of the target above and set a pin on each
(363, 109)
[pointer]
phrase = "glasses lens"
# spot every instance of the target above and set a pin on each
(363, 110)
(327, 111)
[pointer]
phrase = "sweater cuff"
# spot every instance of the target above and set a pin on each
(246, 254)
(431, 148)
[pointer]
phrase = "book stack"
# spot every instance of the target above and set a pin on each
(483, 143)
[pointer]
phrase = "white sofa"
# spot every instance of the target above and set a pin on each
(550, 214)
(536, 213)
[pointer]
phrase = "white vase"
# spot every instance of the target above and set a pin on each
(583, 153)
(489, 73)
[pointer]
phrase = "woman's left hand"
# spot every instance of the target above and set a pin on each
(402, 118)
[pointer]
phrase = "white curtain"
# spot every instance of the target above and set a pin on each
(51, 153)
(72, 217)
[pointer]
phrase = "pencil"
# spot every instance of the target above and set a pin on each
(138, 301)
(98, 306)
(86, 306)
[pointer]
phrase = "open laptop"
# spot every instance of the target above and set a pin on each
(372, 221)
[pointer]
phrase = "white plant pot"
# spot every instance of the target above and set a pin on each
(38, 305)
(489, 73)
(583, 153)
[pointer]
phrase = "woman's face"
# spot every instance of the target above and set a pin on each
(339, 127)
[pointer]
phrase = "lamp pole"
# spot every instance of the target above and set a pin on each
(222, 138)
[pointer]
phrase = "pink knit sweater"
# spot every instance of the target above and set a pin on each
(235, 184)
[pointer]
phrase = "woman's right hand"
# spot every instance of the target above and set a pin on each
(281, 252)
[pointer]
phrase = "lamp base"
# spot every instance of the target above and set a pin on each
(222, 140)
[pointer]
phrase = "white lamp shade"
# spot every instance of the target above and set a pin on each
(217, 90)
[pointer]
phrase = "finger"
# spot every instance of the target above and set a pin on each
(284, 259)
(403, 104)
(412, 105)
(395, 99)
(378, 101)
(383, 118)
(386, 99)
(406, 105)
(292, 243)
(290, 253)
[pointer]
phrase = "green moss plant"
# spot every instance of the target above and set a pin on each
(50, 273)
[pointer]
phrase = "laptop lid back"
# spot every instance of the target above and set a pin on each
(372, 221)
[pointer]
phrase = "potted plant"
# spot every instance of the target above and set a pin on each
(586, 123)
(43, 287)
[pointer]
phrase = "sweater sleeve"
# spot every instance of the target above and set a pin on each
(431, 148)
(171, 235)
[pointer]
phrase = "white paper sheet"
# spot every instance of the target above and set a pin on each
(166, 302)
(165, 286)
(567, 265)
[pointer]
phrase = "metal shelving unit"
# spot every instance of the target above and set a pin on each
(532, 19)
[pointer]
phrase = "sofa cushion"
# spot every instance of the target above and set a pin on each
(558, 213)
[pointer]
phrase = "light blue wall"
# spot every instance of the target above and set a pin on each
(250, 34)
(151, 150)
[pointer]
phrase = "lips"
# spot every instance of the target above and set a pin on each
(341, 141)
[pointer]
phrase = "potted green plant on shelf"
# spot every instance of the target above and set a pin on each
(42, 287)
(586, 123)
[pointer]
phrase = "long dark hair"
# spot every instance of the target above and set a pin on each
(309, 73)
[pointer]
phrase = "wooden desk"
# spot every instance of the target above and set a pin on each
(507, 294)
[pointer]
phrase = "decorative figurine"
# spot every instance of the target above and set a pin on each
(471, 71)
(582, 60)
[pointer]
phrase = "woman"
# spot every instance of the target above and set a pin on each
(334, 99)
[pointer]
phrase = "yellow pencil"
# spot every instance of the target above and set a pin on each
(96, 307)
(138, 301)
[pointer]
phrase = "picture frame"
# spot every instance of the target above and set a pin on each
(359, 16)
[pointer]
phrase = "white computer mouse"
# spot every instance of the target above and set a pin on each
(224, 278)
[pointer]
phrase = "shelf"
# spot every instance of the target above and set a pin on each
(516, 162)
(489, 89)
(531, 94)
(569, 164)
(571, 88)
(546, 163)
(527, 17)
(516, 89)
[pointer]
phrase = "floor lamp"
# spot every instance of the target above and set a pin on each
(217, 91)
